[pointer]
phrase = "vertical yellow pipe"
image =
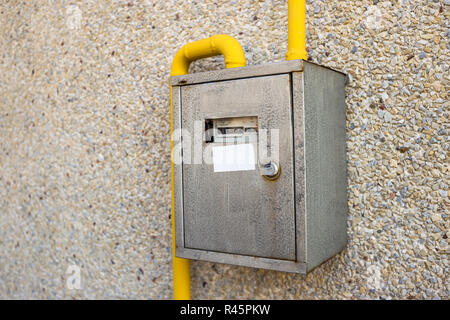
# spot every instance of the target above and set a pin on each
(234, 57)
(180, 267)
(296, 30)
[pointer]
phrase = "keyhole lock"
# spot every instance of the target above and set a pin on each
(271, 170)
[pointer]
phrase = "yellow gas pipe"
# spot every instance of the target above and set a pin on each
(296, 30)
(234, 57)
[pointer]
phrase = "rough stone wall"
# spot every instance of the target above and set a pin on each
(84, 145)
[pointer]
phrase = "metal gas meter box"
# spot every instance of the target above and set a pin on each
(262, 181)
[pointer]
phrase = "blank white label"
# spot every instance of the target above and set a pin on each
(236, 157)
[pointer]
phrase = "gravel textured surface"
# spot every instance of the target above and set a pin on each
(84, 145)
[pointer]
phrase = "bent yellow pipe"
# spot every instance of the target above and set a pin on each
(234, 57)
(220, 44)
(296, 30)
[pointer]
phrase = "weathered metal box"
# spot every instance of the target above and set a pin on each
(287, 212)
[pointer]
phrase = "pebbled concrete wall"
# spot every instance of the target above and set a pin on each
(84, 145)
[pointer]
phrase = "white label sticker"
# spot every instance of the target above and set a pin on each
(237, 157)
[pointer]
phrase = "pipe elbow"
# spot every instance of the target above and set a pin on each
(230, 48)
(180, 64)
(216, 45)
